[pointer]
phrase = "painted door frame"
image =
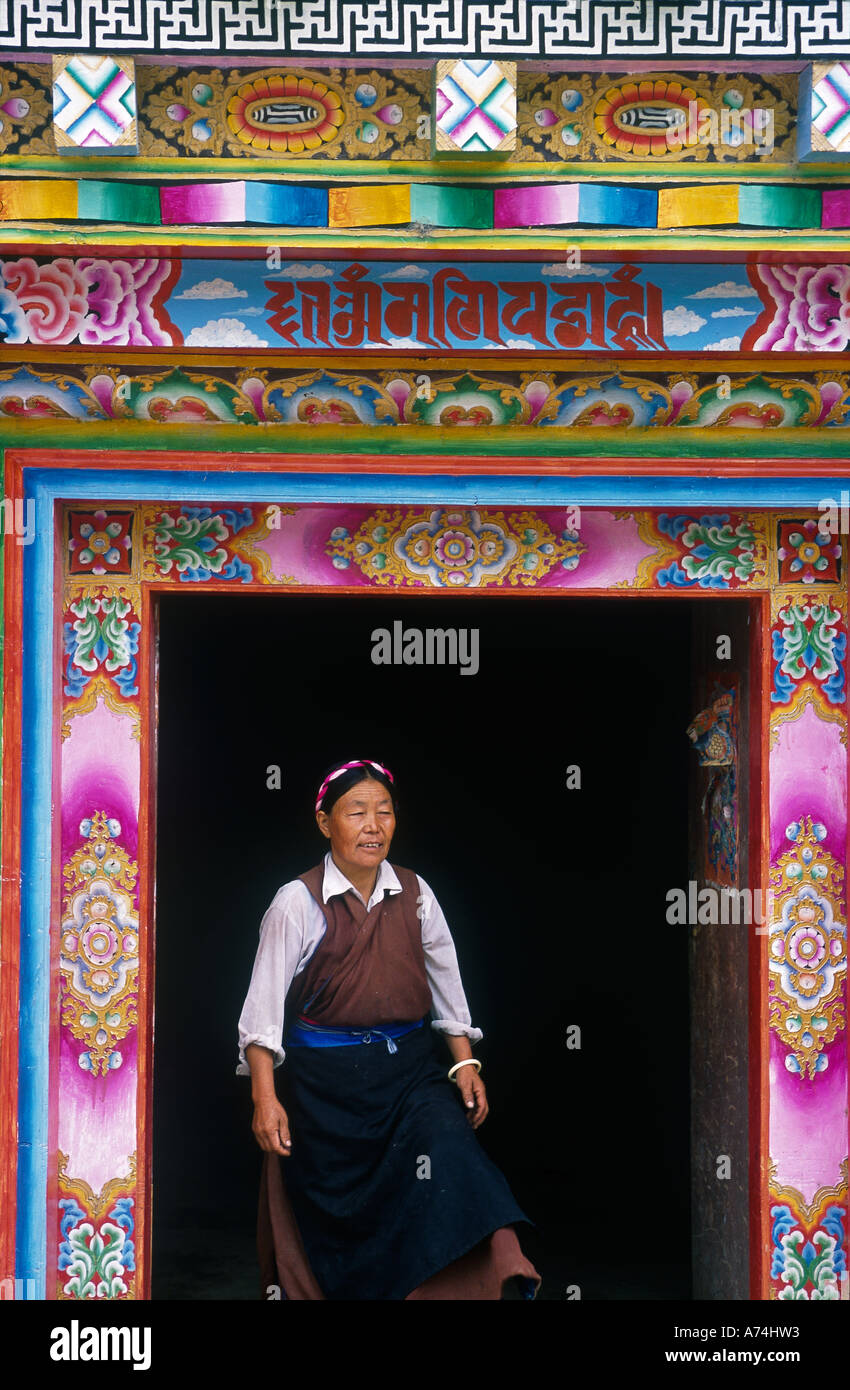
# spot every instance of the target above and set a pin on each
(39, 664)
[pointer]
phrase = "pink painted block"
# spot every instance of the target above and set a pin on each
(198, 203)
(546, 205)
(836, 207)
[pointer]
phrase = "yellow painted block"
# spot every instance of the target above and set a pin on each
(698, 207)
(41, 200)
(384, 206)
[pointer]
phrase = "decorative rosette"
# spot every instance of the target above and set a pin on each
(285, 113)
(650, 116)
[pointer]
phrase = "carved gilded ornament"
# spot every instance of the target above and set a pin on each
(807, 948)
(99, 945)
(663, 117)
(286, 113)
(446, 548)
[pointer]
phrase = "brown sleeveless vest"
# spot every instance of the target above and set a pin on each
(369, 967)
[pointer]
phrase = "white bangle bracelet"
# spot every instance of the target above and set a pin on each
(467, 1062)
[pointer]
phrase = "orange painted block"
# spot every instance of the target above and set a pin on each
(39, 200)
(385, 206)
(698, 207)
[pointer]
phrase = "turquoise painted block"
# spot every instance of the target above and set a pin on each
(438, 205)
(286, 204)
(775, 205)
(99, 201)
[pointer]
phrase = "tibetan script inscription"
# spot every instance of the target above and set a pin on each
(458, 309)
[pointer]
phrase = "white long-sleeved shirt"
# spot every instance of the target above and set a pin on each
(291, 930)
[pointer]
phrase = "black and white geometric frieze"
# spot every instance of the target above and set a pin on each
(399, 29)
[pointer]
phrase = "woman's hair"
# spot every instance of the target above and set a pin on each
(342, 783)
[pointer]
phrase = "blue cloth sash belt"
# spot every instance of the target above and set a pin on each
(304, 1034)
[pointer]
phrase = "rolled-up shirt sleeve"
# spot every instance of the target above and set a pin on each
(451, 1011)
(278, 957)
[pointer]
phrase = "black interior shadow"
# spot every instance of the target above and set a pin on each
(555, 897)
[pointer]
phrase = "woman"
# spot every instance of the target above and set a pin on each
(374, 1185)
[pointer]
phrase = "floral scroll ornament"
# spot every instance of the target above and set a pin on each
(807, 950)
(328, 398)
(713, 551)
(755, 401)
(101, 637)
(423, 395)
(723, 550)
(602, 401)
(97, 1255)
(101, 644)
(463, 399)
(199, 544)
(809, 652)
(454, 549)
(173, 396)
(26, 394)
(808, 1261)
(99, 954)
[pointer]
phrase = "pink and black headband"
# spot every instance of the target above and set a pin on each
(344, 767)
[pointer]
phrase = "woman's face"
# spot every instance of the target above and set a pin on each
(360, 825)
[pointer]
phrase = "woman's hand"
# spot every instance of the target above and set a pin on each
(271, 1127)
(473, 1094)
(271, 1123)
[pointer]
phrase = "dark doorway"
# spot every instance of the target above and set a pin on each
(555, 897)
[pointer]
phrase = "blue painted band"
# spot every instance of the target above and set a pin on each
(36, 830)
(311, 1035)
(620, 490)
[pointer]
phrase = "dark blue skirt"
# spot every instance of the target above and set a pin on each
(387, 1179)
